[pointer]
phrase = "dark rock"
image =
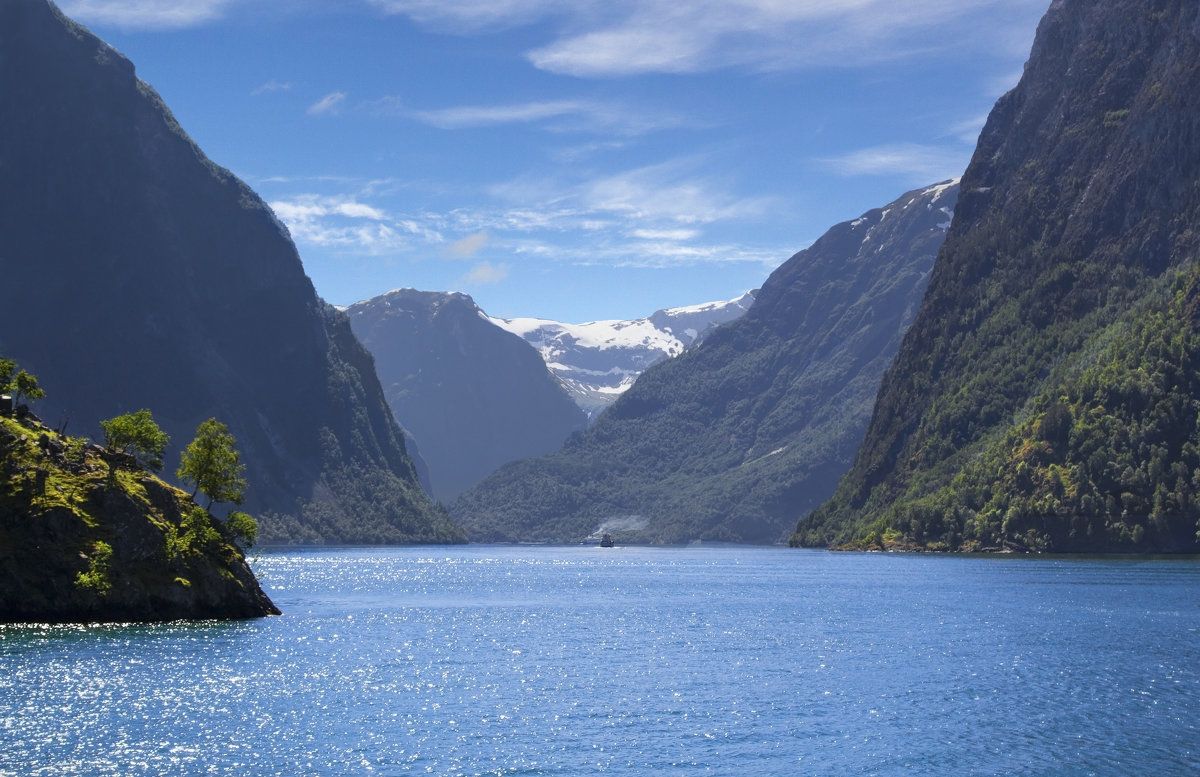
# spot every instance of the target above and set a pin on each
(473, 395)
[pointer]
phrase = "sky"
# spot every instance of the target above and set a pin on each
(575, 160)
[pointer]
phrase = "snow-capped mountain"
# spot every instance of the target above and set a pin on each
(597, 361)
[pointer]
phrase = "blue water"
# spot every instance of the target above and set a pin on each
(632, 661)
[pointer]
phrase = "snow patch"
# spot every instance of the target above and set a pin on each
(599, 360)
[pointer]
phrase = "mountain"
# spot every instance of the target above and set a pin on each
(473, 395)
(86, 535)
(733, 438)
(600, 360)
(139, 274)
(1046, 396)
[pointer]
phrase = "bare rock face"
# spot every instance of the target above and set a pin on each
(473, 395)
(86, 538)
(131, 258)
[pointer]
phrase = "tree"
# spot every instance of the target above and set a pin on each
(137, 435)
(211, 463)
(25, 386)
(22, 385)
(243, 527)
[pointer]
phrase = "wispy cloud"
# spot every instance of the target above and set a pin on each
(919, 163)
(467, 247)
(665, 234)
(346, 223)
(673, 191)
(556, 115)
(625, 37)
(272, 86)
(146, 14)
(487, 274)
(473, 14)
(653, 216)
(521, 113)
(329, 104)
(967, 131)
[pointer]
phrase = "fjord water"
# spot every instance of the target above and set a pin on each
(632, 661)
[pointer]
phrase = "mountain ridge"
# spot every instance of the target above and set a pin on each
(1078, 219)
(473, 395)
(166, 282)
(733, 437)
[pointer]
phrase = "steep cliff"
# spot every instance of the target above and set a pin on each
(1031, 406)
(733, 438)
(473, 395)
(138, 273)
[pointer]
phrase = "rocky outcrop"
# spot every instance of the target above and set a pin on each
(86, 536)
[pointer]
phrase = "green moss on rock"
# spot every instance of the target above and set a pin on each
(82, 540)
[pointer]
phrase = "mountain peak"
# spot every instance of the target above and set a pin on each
(170, 285)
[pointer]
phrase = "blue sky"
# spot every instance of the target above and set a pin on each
(574, 160)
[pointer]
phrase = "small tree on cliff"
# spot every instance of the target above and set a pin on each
(22, 385)
(211, 462)
(25, 386)
(137, 435)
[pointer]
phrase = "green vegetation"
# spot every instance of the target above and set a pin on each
(86, 533)
(22, 385)
(213, 464)
(1106, 457)
(243, 527)
(137, 435)
(97, 577)
(1045, 398)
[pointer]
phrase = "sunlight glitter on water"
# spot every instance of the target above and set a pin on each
(569, 660)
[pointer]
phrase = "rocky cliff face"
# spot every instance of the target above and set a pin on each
(733, 438)
(1079, 209)
(137, 273)
(473, 395)
(85, 537)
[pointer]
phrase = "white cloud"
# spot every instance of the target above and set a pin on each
(146, 14)
(346, 223)
(472, 14)
(557, 115)
(624, 37)
(482, 116)
(668, 192)
(486, 273)
(329, 104)
(665, 234)
(920, 163)
(655, 216)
